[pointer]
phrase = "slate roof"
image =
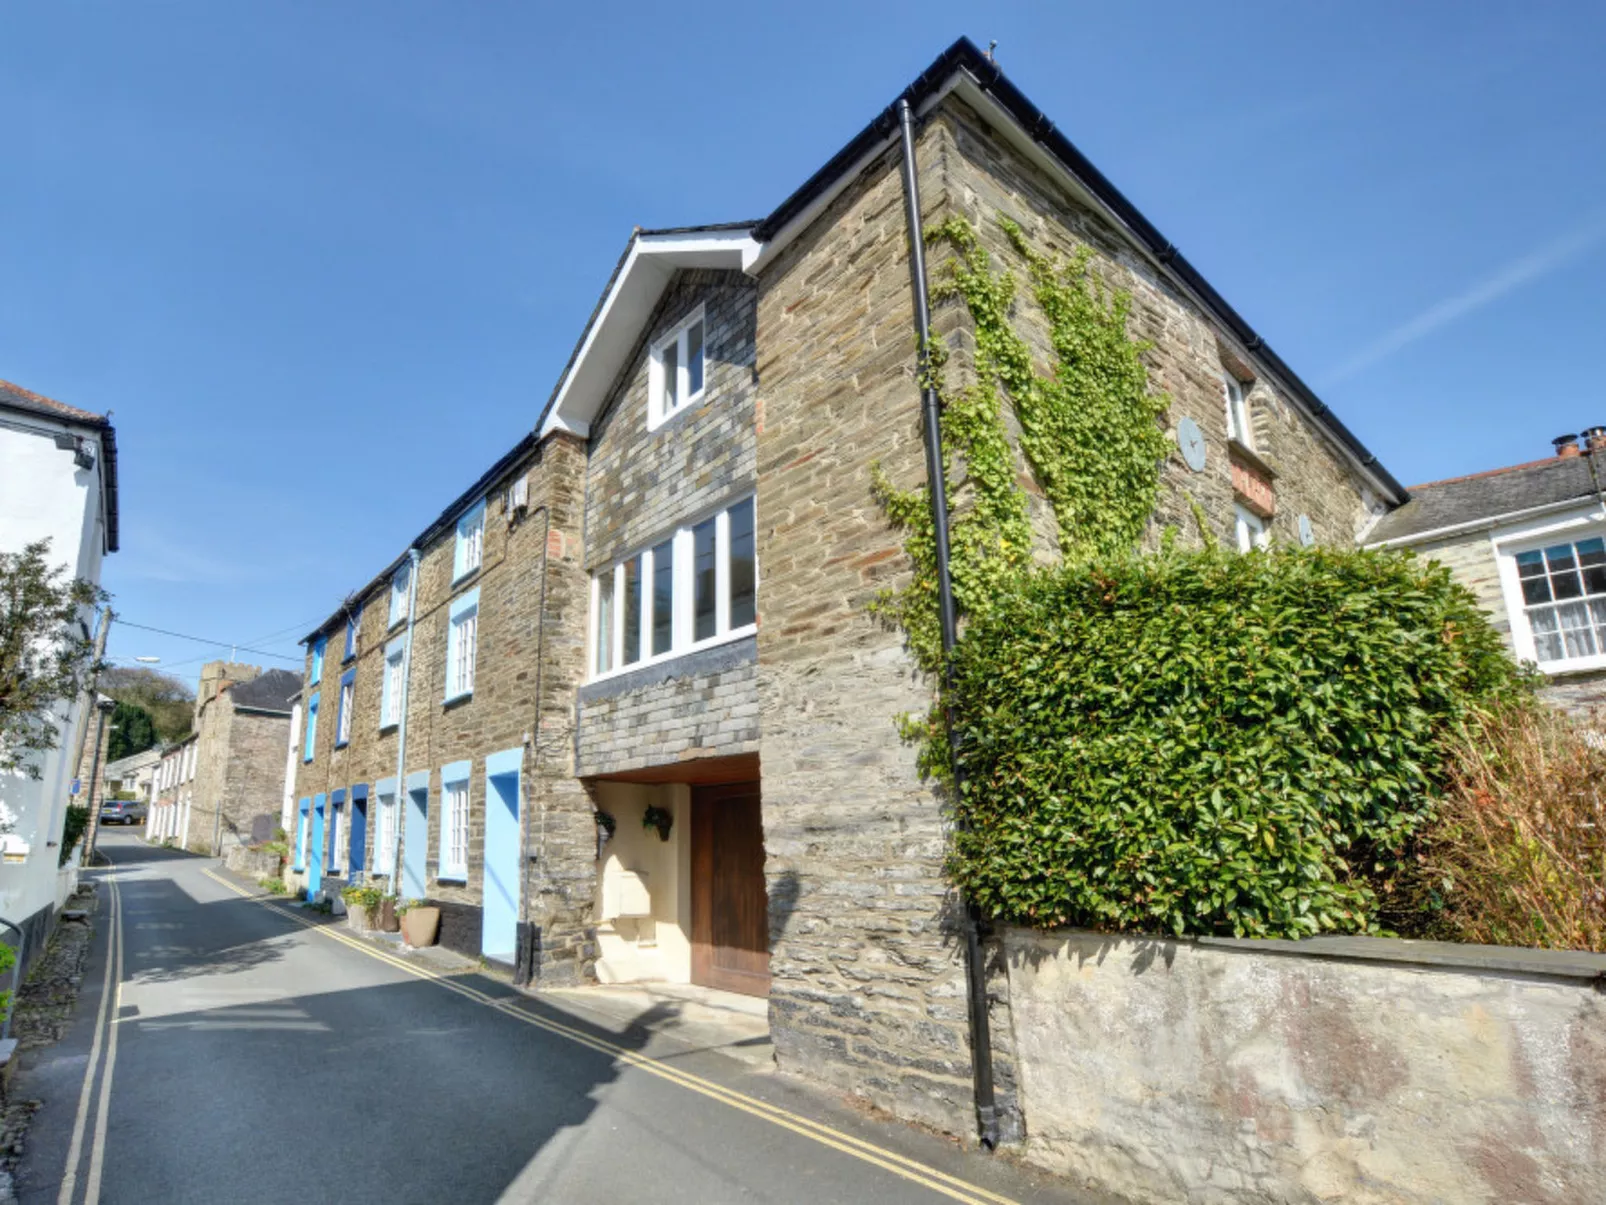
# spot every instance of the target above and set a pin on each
(1483, 498)
(270, 692)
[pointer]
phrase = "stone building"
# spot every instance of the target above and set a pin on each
(235, 788)
(684, 658)
(134, 775)
(1529, 541)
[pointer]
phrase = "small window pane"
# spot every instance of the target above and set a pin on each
(1591, 552)
(1535, 590)
(743, 580)
(694, 358)
(1559, 557)
(632, 611)
(1575, 630)
(663, 597)
(605, 621)
(703, 579)
(1547, 634)
(671, 375)
(1566, 584)
(1530, 564)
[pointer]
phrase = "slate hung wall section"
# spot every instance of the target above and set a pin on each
(643, 484)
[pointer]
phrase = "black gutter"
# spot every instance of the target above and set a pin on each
(108, 453)
(963, 55)
(981, 1040)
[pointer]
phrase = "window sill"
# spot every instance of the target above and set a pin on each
(466, 575)
(388, 728)
(452, 880)
(695, 401)
(454, 700)
(1566, 669)
(395, 623)
(712, 642)
(341, 744)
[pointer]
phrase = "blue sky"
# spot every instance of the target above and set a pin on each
(325, 261)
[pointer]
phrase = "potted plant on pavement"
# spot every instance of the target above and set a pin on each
(420, 922)
(362, 907)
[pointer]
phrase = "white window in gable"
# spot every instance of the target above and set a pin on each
(462, 640)
(696, 588)
(390, 696)
(675, 371)
(399, 585)
(470, 547)
(1564, 597)
(1238, 424)
(1251, 530)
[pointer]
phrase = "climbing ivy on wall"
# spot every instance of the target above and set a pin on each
(1088, 430)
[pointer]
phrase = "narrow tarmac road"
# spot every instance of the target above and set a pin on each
(228, 1049)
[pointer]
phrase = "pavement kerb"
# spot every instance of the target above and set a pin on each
(899, 1165)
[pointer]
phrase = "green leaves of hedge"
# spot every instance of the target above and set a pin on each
(1204, 742)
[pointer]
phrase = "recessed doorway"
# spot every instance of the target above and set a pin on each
(730, 938)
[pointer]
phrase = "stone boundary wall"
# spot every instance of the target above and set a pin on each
(254, 863)
(1360, 1069)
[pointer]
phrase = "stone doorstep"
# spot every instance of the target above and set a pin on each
(703, 1018)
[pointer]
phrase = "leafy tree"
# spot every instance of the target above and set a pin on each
(46, 656)
(168, 701)
(133, 730)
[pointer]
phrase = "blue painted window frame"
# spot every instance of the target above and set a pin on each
(473, 517)
(303, 831)
(311, 744)
(342, 730)
(400, 583)
(461, 606)
(351, 639)
(316, 676)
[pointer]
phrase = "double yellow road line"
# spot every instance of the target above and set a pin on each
(105, 1037)
(858, 1148)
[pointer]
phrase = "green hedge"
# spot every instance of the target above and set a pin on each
(1204, 742)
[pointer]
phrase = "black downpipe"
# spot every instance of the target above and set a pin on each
(981, 1043)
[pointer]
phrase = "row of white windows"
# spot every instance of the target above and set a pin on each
(454, 833)
(697, 587)
(176, 769)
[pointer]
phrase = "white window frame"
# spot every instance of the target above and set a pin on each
(468, 552)
(390, 684)
(1252, 532)
(400, 583)
(683, 640)
(1236, 394)
(455, 806)
(464, 618)
(331, 853)
(384, 831)
(348, 704)
(1566, 527)
(678, 335)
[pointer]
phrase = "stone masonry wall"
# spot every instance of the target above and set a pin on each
(869, 982)
(868, 976)
(239, 767)
(1186, 361)
(501, 713)
(1240, 1072)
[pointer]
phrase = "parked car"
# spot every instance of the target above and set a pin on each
(122, 811)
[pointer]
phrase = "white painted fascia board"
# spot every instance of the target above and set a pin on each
(652, 260)
(1492, 521)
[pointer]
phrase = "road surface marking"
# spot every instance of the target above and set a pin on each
(899, 1165)
(69, 1179)
(97, 1147)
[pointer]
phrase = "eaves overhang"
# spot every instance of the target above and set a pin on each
(643, 273)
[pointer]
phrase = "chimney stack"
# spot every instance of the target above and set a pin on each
(1567, 445)
(1596, 438)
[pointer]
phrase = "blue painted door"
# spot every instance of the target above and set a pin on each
(315, 858)
(359, 831)
(415, 846)
(303, 818)
(501, 909)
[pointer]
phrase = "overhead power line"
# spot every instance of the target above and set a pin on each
(221, 644)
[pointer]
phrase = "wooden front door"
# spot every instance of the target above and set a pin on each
(730, 932)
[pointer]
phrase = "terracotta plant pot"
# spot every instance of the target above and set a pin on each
(387, 915)
(420, 926)
(359, 918)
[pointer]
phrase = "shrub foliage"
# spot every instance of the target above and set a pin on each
(1206, 742)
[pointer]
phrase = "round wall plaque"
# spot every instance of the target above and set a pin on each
(1191, 440)
(1307, 536)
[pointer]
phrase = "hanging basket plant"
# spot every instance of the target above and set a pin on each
(659, 818)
